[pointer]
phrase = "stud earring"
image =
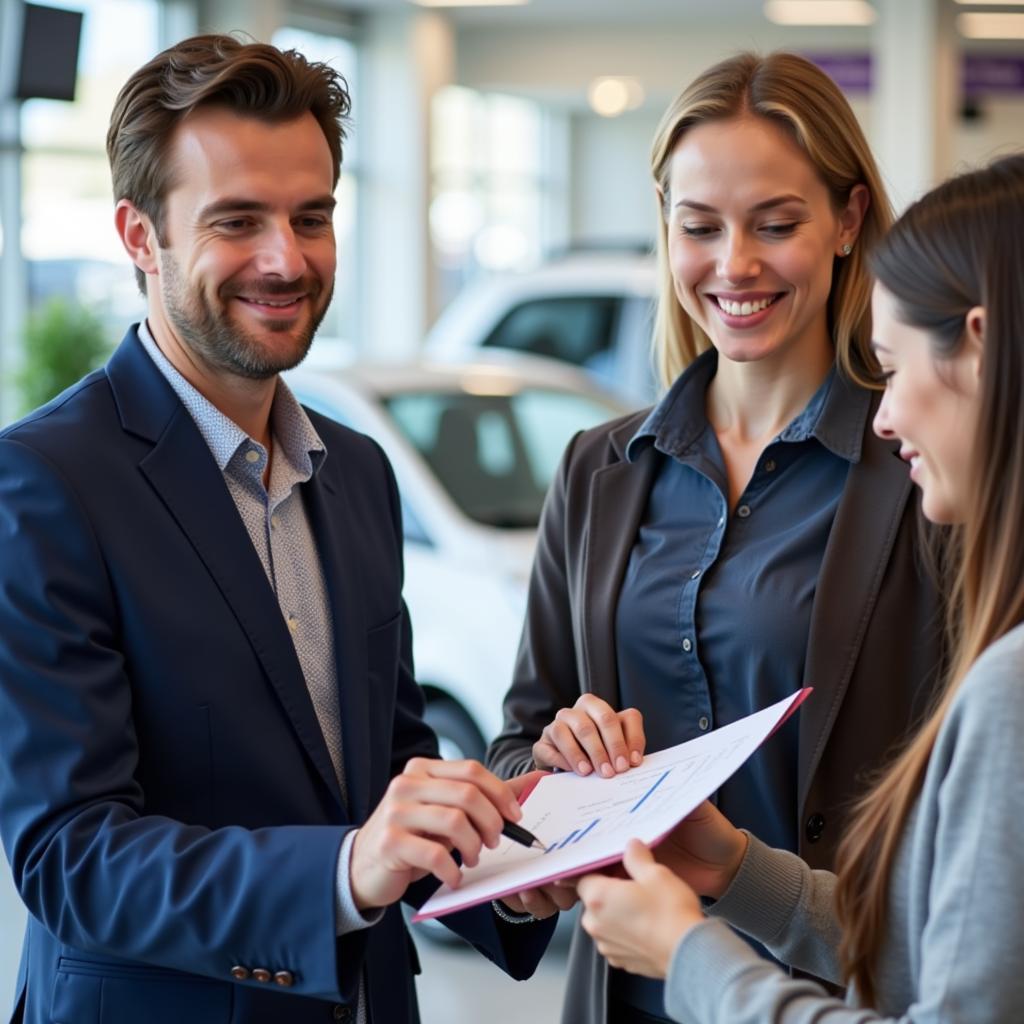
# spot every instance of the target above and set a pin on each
(846, 249)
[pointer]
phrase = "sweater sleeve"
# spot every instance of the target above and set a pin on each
(960, 866)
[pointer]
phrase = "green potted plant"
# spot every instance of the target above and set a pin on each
(63, 342)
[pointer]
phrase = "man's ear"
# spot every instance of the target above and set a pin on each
(974, 341)
(138, 236)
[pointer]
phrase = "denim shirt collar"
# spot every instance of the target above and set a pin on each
(835, 416)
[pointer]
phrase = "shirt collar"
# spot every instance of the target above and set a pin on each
(835, 415)
(294, 434)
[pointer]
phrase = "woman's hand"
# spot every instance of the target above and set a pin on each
(705, 850)
(638, 922)
(547, 899)
(592, 736)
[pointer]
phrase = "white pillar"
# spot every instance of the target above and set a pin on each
(406, 57)
(914, 101)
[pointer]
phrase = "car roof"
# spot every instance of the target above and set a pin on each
(496, 371)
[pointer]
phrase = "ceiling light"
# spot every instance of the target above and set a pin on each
(981, 25)
(820, 12)
(611, 96)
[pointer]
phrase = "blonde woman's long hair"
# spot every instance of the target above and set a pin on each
(960, 246)
(793, 93)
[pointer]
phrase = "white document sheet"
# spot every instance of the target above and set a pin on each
(585, 822)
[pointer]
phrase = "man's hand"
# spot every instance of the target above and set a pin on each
(592, 736)
(432, 808)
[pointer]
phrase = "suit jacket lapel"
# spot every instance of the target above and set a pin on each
(618, 496)
(332, 527)
(183, 472)
(858, 551)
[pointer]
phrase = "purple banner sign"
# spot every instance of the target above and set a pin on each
(980, 74)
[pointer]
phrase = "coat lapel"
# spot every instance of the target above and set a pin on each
(858, 551)
(618, 496)
(331, 522)
(182, 471)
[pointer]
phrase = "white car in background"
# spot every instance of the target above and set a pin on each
(591, 309)
(474, 447)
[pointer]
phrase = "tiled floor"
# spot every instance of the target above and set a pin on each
(12, 925)
(458, 986)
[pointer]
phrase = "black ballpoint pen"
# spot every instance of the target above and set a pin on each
(520, 835)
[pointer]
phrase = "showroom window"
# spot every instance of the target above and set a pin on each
(68, 239)
(494, 185)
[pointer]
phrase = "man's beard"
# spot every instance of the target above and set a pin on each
(221, 342)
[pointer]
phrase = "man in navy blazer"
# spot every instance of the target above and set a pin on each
(215, 781)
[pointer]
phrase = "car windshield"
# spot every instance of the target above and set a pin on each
(496, 454)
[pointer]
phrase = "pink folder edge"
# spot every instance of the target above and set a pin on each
(602, 862)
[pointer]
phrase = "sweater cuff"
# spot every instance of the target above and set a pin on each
(764, 894)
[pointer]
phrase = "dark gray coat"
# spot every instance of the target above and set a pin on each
(874, 648)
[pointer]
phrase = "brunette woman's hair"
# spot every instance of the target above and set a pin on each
(959, 247)
(795, 94)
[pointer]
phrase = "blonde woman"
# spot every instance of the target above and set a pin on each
(925, 921)
(749, 534)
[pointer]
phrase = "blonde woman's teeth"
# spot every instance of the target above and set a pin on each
(743, 308)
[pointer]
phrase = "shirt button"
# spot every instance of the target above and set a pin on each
(274, 522)
(769, 465)
(239, 973)
(284, 978)
(694, 574)
(687, 644)
(293, 623)
(261, 974)
(703, 723)
(252, 455)
(743, 511)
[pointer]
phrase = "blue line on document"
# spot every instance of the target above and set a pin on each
(568, 839)
(649, 792)
(586, 830)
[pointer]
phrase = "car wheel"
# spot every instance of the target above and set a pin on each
(457, 735)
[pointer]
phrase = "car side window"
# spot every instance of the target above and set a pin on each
(575, 329)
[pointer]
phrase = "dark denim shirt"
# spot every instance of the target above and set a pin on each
(715, 609)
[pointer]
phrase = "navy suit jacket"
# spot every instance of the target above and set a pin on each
(167, 801)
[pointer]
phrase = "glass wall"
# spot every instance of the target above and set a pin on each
(492, 184)
(68, 239)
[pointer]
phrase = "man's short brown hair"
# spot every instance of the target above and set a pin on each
(251, 79)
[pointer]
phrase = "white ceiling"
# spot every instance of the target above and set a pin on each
(589, 12)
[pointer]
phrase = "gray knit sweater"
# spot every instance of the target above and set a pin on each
(954, 947)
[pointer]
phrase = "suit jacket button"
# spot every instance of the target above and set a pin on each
(261, 974)
(814, 827)
(342, 1013)
(239, 973)
(284, 978)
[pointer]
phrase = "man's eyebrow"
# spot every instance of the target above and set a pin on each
(765, 204)
(233, 204)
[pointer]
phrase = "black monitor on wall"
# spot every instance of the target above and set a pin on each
(50, 39)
